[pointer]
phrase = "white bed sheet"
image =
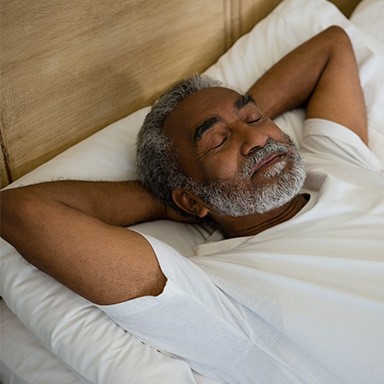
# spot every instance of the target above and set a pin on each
(24, 360)
(74, 333)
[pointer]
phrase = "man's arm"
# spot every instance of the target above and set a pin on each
(73, 231)
(320, 74)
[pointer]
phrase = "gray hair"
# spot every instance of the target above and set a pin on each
(157, 157)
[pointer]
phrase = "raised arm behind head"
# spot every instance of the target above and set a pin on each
(320, 75)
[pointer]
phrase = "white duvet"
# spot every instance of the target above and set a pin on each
(80, 335)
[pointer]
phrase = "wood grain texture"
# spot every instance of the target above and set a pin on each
(4, 176)
(69, 69)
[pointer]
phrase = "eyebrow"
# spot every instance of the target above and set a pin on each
(244, 100)
(240, 103)
(205, 126)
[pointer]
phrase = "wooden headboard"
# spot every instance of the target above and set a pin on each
(69, 69)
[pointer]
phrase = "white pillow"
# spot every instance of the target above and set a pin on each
(82, 336)
(369, 16)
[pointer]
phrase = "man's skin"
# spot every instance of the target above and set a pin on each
(73, 230)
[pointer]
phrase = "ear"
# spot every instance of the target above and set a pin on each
(190, 203)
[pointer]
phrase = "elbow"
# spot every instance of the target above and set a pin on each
(337, 35)
(17, 210)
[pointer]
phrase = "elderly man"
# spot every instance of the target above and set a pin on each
(208, 153)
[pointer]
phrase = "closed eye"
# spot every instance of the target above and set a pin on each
(255, 120)
(204, 128)
(221, 142)
(212, 140)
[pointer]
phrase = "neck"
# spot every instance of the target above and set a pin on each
(254, 224)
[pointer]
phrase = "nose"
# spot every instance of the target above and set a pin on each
(251, 137)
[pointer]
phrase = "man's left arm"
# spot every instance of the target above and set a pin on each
(321, 75)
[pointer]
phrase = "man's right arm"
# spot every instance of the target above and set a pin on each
(321, 75)
(73, 231)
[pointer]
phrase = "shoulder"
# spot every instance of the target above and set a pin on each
(327, 142)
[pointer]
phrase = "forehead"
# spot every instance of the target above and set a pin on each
(198, 107)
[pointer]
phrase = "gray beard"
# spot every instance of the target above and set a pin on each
(240, 197)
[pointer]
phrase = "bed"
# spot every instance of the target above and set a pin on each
(48, 333)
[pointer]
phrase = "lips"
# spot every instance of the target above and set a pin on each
(267, 161)
(263, 157)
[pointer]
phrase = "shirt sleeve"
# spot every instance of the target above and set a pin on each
(327, 142)
(191, 318)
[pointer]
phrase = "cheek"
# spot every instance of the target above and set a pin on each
(223, 167)
(190, 167)
(186, 159)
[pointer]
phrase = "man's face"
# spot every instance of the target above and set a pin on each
(241, 161)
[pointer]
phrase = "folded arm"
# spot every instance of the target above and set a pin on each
(321, 75)
(72, 230)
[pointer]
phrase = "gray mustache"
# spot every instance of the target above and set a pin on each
(260, 154)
